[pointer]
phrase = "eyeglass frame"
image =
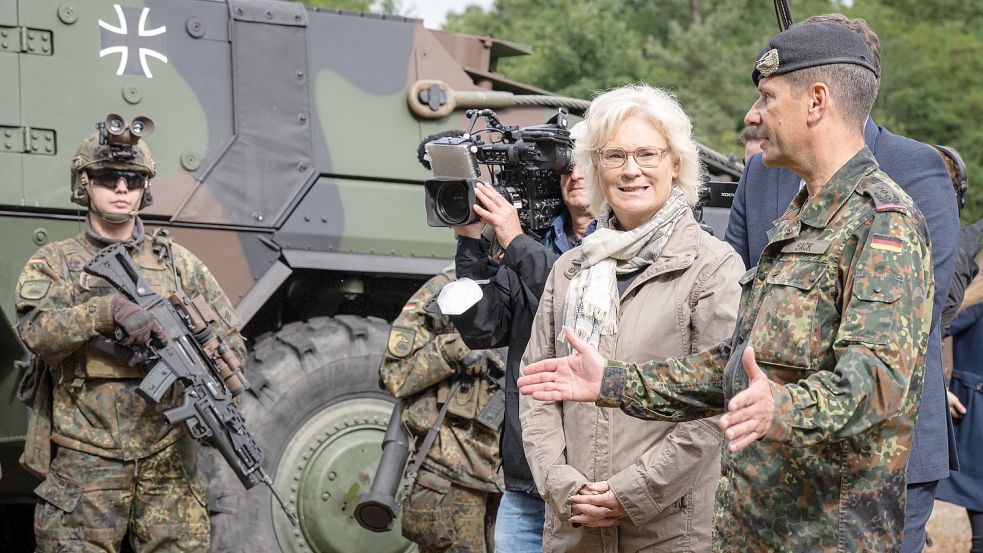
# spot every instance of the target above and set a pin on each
(662, 155)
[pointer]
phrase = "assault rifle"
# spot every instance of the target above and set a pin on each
(197, 357)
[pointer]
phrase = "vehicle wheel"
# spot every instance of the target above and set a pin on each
(319, 416)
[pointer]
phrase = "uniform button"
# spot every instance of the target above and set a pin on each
(877, 289)
(813, 278)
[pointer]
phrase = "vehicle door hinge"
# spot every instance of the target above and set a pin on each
(25, 40)
(27, 140)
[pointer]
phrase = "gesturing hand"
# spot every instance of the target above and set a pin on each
(575, 377)
(749, 412)
(493, 209)
(596, 506)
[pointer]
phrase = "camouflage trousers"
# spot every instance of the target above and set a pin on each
(90, 503)
(442, 517)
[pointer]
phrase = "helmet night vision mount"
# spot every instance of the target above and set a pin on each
(117, 145)
(121, 137)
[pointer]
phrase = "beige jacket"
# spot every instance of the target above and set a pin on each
(664, 474)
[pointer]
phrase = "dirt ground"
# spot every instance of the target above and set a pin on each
(949, 529)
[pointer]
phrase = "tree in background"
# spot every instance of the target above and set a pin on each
(389, 7)
(932, 87)
(932, 52)
(703, 49)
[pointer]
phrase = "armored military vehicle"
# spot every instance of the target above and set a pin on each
(286, 147)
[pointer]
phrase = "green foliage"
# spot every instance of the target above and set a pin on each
(391, 7)
(353, 5)
(932, 53)
(932, 80)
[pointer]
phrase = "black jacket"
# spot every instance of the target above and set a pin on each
(503, 317)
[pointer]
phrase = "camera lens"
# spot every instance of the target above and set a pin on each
(452, 202)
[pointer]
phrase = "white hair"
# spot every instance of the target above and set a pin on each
(660, 108)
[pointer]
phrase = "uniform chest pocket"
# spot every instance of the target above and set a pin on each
(872, 318)
(785, 332)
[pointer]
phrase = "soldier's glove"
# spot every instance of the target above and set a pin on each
(457, 354)
(136, 322)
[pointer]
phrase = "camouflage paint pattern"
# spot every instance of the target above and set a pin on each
(838, 312)
(96, 408)
(446, 510)
(90, 502)
(442, 517)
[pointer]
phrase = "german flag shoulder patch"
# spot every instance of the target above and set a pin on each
(886, 243)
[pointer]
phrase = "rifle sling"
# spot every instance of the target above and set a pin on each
(421, 453)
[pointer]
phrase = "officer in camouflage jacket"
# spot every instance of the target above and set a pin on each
(823, 375)
(112, 465)
(452, 506)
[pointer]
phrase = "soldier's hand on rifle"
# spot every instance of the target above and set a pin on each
(498, 212)
(574, 377)
(136, 322)
(749, 412)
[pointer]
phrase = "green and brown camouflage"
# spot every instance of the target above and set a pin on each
(91, 502)
(285, 149)
(95, 404)
(838, 312)
(447, 509)
(442, 517)
(424, 358)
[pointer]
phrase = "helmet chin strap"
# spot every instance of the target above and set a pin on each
(115, 218)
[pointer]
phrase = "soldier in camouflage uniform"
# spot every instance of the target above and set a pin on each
(820, 419)
(112, 465)
(452, 506)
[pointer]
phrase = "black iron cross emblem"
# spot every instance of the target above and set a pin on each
(143, 42)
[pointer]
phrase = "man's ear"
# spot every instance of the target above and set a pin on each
(818, 101)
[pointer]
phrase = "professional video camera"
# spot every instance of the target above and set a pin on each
(712, 208)
(524, 165)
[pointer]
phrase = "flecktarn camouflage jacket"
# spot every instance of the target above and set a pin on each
(425, 359)
(838, 312)
(95, 407)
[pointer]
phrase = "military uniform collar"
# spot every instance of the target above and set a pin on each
(817, 212)
(101, 242)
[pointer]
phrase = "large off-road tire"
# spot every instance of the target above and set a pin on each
(319, 415)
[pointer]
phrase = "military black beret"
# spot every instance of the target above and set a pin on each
(811, 44)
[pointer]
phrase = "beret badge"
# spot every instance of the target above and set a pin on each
(768, 63)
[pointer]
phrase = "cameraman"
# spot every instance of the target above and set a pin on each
(503, 317)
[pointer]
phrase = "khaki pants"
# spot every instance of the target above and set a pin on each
(89, 503)
(442, 517)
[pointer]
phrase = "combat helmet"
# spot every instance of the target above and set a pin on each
(116, 145)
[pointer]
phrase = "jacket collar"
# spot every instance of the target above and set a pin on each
(100, 241)
(679, 253)
(871, 131)
(556, 239)
(817, 212)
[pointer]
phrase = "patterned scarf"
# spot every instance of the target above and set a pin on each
(591, 305)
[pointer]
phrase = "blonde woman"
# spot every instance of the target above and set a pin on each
(647, 284)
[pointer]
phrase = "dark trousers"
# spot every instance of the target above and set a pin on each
(918, 508)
